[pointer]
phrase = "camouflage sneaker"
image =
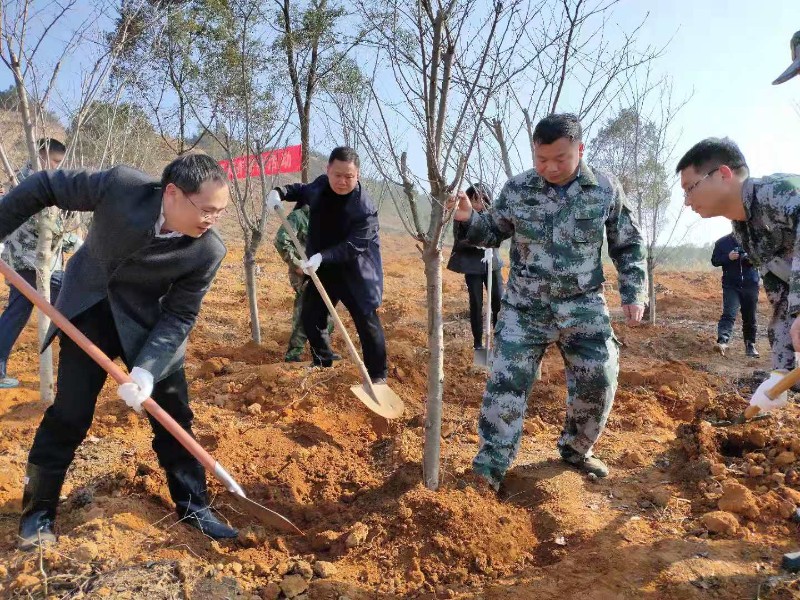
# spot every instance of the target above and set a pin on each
(478, 482)
(720, 348)
(587, 464)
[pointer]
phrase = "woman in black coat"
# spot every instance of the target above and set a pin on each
(468, 259)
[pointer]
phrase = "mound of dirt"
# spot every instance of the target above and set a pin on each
(299, 442)
(751, 469)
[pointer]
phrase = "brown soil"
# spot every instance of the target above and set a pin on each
(689, 511)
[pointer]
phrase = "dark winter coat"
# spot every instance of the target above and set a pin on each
(467, 258)
(155, 286)
(356, 250)
(738, 273)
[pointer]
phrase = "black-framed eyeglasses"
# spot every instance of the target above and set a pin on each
(691, 188)
(208, 216)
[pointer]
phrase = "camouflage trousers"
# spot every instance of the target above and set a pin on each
(581, 329)
(297, 339)
(780, 340)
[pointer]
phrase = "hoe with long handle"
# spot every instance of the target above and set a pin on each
(236, 495)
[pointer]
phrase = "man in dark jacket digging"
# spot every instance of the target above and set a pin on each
(344, 250)
(740, 283)
(134, 289)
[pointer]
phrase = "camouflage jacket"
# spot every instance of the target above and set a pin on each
(557, 239)
(21, 245)
(772, 228)
(283, 243)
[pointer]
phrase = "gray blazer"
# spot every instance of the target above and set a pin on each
(155, 286)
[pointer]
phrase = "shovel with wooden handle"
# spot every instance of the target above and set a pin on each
(751, 413)
(236, 494)
(483, 356)
(379, 398)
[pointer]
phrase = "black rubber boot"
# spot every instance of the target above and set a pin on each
(39, 503)
(187, 486)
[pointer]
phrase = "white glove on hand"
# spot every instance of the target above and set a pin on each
(312, 264)
(487, 255)
(760, 398)
(138, 389)
(273, 200)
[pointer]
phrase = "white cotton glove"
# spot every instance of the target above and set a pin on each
(273, 200)
(138, 389)
(312, 264)
(760, 398)
(487, 255)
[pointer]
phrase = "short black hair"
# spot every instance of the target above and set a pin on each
(51, 145)
(711, 154)
(190, 171)
(345, 154)
(557, 126)
(479, 189)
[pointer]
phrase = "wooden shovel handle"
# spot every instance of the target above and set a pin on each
(331, 308)
(158, 413)
(784, 384)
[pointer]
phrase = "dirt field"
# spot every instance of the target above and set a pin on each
(689, 511)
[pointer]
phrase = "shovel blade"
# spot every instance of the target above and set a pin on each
(268, 517)
(386, 403)
(480, 358)
(739, 420)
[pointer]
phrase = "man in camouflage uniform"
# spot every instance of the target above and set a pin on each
(766, 215)
(283, 244)
(20, 254)
(556, 215)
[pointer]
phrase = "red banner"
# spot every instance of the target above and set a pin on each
(282, 160)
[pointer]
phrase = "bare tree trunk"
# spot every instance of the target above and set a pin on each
(44, 258)
(7, 165)
(304, 144)
(432, 257)
(250, 284)
(529, 129)
(651, 276)
(497, 131)
(44, 246)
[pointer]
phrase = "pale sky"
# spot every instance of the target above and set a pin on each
(729, 52)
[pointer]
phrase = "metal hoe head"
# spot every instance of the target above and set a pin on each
(385, 402)
(266, 516)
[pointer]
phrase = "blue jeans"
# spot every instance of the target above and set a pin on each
(19, 308)
(734, 298)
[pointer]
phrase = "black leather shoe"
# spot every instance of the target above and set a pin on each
(750, 350)
(39, 503)
(187, 487)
